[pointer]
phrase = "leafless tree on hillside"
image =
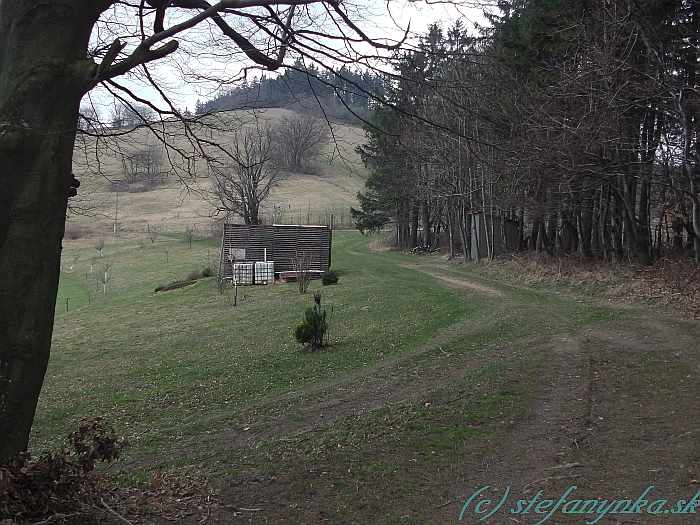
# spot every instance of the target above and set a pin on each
(244, 181)
(146, 163)
(99, 245)
(189, 234)
(129, 115)
(299, 141)
(152, 235)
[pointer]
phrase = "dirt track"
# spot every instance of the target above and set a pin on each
(613, 411)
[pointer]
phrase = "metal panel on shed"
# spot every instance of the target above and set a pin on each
(283, 243)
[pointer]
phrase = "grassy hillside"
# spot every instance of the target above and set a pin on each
(439, 381)
(184, 200)
(170, 368)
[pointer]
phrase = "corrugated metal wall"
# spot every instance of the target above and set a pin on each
(282, 243)
(492, 234)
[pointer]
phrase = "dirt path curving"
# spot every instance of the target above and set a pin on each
(610, 410)
(433, 271)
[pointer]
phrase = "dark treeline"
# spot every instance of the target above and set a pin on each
(578, 121)
(346, 94)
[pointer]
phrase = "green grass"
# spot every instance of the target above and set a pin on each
(167, 367)
(180, 372)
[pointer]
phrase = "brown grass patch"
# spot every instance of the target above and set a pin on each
(673, 282)
(77, 231)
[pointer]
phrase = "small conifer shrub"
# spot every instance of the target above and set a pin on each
(312, 330)
(330, 277)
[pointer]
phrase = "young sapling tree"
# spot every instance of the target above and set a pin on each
(312, 330)
(99, 245)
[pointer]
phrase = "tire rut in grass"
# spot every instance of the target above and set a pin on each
(391, 381)
(601, 421)
(451, 281)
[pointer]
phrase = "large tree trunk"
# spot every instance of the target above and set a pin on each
(43, 75)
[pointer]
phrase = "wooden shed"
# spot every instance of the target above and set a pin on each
(492, 236)
(279, 243)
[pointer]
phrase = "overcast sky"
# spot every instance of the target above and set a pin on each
(380, 20)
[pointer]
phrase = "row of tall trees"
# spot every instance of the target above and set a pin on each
(578, 120)
(346, 93)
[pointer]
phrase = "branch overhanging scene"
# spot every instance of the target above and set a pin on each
(349, 262)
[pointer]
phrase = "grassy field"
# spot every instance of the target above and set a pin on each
(442, 377)
(167, 368)
(429, 363)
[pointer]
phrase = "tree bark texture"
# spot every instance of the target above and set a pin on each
(43, 75)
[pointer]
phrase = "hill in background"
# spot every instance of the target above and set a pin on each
(176, 194)
(345, 95)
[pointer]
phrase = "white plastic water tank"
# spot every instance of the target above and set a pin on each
(264, 272)
(243, 273)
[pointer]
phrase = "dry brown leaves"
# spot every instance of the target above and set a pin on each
(673, 282)
(62, 487)
(169, 496)
(58, 483)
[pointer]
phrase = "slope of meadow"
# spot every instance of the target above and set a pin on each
(443, 380)
(184, 200)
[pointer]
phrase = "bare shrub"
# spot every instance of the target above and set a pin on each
(139, 186)
(75, 231)
(301, 263)
(117, 185)
(152, 234)
(59, 483)
(100, 245)
(146, 186)
(384, 243)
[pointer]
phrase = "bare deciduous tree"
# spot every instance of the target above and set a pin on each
(299, 141)
(129, 115)
(99, 245)
(144, 164)
(189, 234)
(89, 119)
(245, 180)
(152, 234)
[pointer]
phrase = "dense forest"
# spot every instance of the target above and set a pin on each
(345, 94)
(578, 121)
